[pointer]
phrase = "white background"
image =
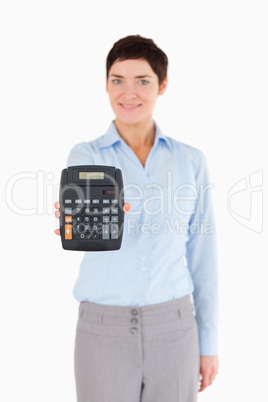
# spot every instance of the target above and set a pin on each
(53, 96)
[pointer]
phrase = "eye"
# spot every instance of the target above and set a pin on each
(144, 82)
(116, 81)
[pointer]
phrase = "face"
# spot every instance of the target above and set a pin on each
(133, 88)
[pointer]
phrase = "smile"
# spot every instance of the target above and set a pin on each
(131, 107)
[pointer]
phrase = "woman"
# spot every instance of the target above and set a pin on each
(138, 337)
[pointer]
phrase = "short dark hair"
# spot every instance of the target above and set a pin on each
(137, 47)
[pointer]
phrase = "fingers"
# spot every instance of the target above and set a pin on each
(205, 382)
(126, 207)
(57, 206)
(57, 215)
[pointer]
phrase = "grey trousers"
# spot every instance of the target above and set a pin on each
(137, 354)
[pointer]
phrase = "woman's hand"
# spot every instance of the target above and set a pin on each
(209, 366)
(126, 208)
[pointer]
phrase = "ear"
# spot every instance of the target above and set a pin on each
(163, 86)
(106, 84)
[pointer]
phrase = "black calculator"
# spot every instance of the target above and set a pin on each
(91, 211)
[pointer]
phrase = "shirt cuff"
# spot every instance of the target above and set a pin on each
(208, 342)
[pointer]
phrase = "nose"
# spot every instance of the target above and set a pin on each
(129, 91)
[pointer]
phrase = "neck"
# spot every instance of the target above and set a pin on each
(136, 135)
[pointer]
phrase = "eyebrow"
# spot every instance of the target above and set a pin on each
(138, 76)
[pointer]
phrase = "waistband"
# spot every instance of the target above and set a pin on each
(152, 309)
(134, 321)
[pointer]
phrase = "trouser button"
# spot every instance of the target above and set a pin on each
(134, 321)
(134, 311)
(134, 330)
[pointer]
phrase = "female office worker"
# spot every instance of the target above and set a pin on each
(139, 336)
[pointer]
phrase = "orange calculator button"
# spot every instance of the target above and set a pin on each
(68, 219)
(68, 232)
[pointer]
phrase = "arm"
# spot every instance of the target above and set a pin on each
(201, 258)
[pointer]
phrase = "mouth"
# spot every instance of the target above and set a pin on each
(129, 107)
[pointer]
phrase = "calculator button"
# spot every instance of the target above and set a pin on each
(86, 211)
(95, 219)
(86, 201)
(78, 201)
(68, 211)
(114, 218)
(106, 219)
(114, 231)
(95, 210)
(95, 201)
(114, 210)
(68, 201)
(68, 219)
(80, 228)
(106, 210)
(81, 236)
(81, 231)
(105, 232)
(95, 236)
(68, 232)
(77, 210)
(86, 219)
(106, 201)
(78, 219)
(114, 201)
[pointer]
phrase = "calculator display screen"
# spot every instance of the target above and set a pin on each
(91, 175)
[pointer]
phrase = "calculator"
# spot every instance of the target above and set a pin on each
(91, 208)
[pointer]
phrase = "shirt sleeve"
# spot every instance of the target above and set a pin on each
(201, 255)
(80, 155)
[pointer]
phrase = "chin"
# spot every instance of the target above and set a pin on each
(129, 121)
(133, 119)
